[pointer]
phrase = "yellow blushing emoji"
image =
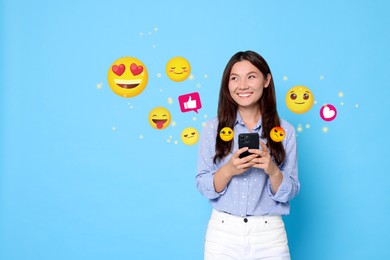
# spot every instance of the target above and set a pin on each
(189, 136)
(299, 99)
(226, 134)
(178, 69)
(277, 134)
(127, 77)
(159, 118)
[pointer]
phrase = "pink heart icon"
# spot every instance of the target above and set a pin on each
(328, 112)
(136, 70)
(118, 70)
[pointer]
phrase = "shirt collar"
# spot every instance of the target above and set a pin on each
(240, 121)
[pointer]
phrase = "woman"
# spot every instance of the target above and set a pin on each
(250, 194)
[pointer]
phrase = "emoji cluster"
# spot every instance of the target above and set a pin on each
(128, 77)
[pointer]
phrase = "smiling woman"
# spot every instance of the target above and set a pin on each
(249, 194)
(247, 84)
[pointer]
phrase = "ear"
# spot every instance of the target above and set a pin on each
(267, 80)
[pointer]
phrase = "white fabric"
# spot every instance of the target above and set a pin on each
(260, 237)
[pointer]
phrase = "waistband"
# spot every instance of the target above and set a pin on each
(248, 219)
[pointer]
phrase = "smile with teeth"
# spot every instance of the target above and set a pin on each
(127, 83)
(244, 94)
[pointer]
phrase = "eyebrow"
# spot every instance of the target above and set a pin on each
(246, 74)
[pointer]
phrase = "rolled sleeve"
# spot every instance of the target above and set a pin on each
(290, 185)
(205, 185)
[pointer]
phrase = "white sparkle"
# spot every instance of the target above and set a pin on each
(299, 128)
(285, 78)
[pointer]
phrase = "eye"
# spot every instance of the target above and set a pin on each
(293, 96)
(173, 68)
(234, 78)
(281, 134)
(223, 132)
(275, 130)
(229, 132)
(186, 135)
(193, 133)
(184, 68)
(305, 96)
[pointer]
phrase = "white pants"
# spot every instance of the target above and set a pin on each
(257, 237)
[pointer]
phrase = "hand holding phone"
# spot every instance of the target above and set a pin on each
(250, 140)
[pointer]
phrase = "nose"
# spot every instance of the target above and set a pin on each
(243, 84)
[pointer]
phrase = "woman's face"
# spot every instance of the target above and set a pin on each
(246, 84)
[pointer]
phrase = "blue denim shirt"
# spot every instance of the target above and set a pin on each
(250, 193)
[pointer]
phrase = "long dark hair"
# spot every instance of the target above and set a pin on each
(227, 108)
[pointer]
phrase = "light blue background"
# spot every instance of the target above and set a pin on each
(84, 176)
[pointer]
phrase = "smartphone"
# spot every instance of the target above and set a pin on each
(251, 140)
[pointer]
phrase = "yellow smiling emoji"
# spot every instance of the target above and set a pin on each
(127, 77)
(159, 118)
(299, 99)
(178, 69)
